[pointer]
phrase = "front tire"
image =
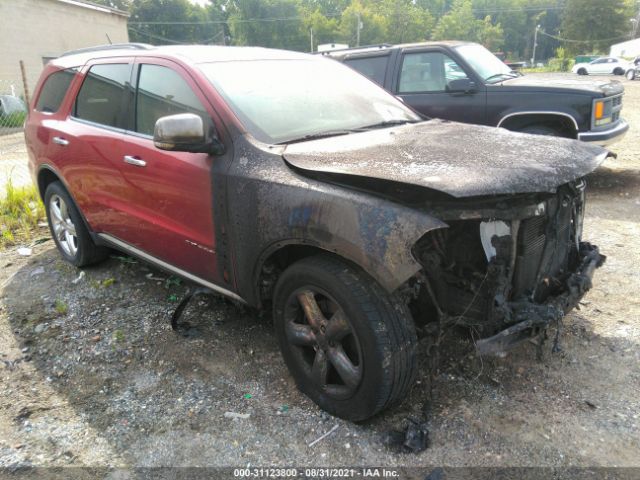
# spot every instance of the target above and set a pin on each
(348, 344)
(68, 229)
(631, 74)
(541, 130)
(582, 71)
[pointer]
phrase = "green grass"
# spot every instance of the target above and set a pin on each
(13, 120)
(20, 211)
(61, 307)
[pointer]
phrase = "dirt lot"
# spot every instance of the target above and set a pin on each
(92, 374)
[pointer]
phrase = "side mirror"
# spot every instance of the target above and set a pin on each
(185, 132)
(461, 85)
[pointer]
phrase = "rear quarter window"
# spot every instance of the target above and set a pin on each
(101, 97)
(372, 67)
(54, 90)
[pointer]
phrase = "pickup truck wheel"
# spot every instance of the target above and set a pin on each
(582, 71)
(349, 345)
(68, 229)
(631, 74)
(541, 130)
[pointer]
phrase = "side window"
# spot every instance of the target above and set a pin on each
(100, 99)
(161, 92)
(428, 72)
(54, 90)
(372, 67)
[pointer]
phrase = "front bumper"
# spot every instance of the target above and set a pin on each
(606, 137)
(535, 318)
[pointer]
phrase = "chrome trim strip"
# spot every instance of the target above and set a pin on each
(164, 265)
(539, 112)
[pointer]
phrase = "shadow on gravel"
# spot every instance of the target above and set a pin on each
(104, 343)
(606, 180)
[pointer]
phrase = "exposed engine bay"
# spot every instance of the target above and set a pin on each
(505, 268)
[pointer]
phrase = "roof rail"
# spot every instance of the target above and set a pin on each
(114, 46)
(362, 47)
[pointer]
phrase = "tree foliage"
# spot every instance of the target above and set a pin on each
(596, 24)
(579, 26)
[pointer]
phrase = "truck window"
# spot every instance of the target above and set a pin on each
(428, 72)
(161, 92)
(372, 67)
(54, 90)
(100, 99)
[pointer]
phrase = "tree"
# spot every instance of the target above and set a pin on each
(374, 25)
(461, 24)
(594, 25)
(268, 23)
(164, 17)
(490, 35)
(405, 21)
(457, 24)
(325, 30)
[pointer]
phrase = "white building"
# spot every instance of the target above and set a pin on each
(35, 31)
(626, 49)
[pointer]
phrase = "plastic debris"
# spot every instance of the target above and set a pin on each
(248, 396)
(25, 251)
(78, 278)
(37, 271)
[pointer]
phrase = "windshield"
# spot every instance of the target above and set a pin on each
(279, 101)
(485, 63)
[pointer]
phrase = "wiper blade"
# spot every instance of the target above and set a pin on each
(508, 75)
(316, 136)
(388, 123)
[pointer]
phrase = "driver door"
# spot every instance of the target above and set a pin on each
(170, 193)
(423, 83)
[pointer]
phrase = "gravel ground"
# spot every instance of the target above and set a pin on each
(91, 373)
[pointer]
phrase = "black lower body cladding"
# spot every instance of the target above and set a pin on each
(510, 274)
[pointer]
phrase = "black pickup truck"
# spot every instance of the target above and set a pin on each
(465, 82)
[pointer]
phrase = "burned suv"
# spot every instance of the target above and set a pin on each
(288, 181)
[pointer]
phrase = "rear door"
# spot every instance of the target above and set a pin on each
(86, 144)
(422, 82)
(374, 66)
(170, 193)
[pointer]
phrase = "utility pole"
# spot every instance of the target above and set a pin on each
(358, 28)
(535, 44)
(311, 35)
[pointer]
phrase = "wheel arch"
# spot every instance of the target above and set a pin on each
(276, 258)
(517, 120)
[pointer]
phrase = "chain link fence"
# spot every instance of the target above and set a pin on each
(13, 152)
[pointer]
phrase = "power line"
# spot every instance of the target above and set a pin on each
(568, 40)
(246, 20)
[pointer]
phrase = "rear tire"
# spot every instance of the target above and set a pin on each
(68, 228)
(618, 71)
(349, 345)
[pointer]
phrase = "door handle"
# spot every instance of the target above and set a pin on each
(131, 160)
(61, 141)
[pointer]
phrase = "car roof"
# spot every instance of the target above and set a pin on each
(386, 46)
(187, 53)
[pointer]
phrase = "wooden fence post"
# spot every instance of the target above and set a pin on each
(25, 86)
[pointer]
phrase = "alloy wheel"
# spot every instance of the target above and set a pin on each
(62, 225)
(319, 333)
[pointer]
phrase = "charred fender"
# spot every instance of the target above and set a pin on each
(283, 208)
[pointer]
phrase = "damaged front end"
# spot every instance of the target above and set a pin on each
(506, 267)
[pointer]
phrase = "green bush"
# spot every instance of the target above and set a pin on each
(13, 120)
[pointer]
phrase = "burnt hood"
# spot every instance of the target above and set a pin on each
(458, 159)
(565, 85)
